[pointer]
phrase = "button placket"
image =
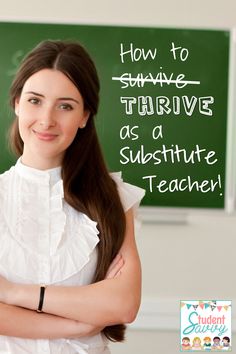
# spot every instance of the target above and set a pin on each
(44, 269)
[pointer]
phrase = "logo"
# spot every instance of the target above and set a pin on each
(205, 325)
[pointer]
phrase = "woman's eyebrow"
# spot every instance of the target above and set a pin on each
(68, 99)
(60, 98)
(35, 93)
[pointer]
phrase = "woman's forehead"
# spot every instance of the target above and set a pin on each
(51, 82)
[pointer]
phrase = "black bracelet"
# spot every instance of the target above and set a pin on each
(41, 298)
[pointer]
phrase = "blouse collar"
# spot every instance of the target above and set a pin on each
(50, 176)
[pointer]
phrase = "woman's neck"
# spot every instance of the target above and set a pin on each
(40, 163)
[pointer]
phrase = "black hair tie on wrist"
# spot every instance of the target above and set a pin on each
(41, 298)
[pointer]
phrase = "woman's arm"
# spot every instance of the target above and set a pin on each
(20, 322)
(23, 323)
(107, 302)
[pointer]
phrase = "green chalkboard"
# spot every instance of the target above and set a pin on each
(163, 112)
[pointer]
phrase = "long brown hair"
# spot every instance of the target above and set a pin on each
(88, 186)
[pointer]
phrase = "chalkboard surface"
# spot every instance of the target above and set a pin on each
(163, 111)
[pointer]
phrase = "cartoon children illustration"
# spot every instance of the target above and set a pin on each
(216, 343)
(207, 343)
(226, 343)
(197, 344)
(186, 343)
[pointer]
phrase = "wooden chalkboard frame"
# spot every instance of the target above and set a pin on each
(230, 196)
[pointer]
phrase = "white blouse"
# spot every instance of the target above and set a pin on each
(44, 240)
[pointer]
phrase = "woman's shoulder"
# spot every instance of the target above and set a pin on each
(5, 186)
(4, 179)
(130, 195)
(4, 174)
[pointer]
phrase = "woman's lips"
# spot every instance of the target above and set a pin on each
(45, 136)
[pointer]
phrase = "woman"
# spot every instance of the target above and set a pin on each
(66, 224)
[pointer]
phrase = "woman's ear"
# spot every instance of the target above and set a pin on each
(85, 119)
(17, 106)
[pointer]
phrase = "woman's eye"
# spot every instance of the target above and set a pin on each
(34, 100)
(66, 107)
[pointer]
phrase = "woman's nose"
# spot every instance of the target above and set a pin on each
(47, 124)
(47, 118)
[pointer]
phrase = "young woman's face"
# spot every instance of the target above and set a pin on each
(50, 111)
